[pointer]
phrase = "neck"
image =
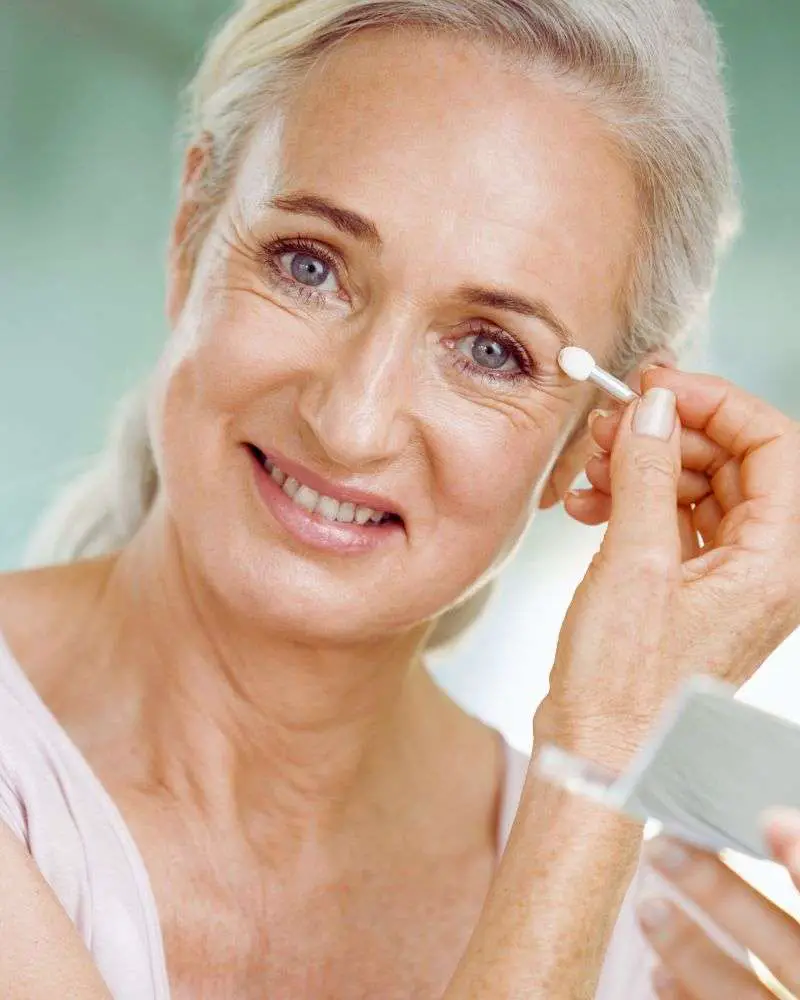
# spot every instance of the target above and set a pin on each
(241, 721)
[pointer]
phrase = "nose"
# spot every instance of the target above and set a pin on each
(357, 404)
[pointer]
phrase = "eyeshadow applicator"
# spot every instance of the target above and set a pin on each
(581, 367)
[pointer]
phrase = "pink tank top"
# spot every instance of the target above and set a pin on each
(55, 804)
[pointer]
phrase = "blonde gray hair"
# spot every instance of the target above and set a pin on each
(650, 68)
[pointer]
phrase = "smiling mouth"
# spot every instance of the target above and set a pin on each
(318, 504)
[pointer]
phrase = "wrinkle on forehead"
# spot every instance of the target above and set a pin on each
(469, 166)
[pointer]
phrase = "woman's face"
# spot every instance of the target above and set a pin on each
(378, 313)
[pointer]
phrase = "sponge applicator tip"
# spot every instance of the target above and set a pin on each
(580, 366)
(576, 362)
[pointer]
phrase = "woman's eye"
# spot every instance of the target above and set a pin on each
(488, 353)
(308, 270)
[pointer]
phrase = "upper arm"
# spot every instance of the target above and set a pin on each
(42, 955)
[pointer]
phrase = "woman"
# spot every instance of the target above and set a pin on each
(393, 214)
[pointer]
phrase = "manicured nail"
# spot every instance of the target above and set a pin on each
(655, 414)
(662, 980)
(655, 916)
(666, 855)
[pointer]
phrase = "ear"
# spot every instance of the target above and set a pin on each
(181, 258)
(580, 447)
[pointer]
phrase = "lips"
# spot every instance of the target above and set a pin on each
(322, 499)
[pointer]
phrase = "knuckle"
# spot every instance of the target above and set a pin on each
(653, 467)
(653, 564)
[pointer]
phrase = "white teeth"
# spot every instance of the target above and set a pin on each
(306, 498)
(347, 513)
(363, 514)
(328, 508)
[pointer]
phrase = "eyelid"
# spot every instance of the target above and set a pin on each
(309, 244)
(488, 328)
(272, 249)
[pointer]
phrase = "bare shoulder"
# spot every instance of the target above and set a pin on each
(41, 948)
(41, 608)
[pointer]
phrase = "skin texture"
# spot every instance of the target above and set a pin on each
(363, 387)
(304, 797)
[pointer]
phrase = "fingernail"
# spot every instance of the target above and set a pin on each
(666, 855)
(655, 915)
(655, 414)
(662, 980)
(595, 415)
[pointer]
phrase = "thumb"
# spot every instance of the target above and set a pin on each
(645, 466)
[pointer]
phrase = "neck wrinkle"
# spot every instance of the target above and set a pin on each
(239, 722)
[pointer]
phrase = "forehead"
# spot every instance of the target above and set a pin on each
(462, 160)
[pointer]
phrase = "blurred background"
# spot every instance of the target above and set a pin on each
(88, 168)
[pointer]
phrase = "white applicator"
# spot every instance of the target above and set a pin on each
(580, 366)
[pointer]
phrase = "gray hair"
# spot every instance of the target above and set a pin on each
(651, 70)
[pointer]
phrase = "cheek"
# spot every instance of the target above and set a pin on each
(495, 458)
(236, 346)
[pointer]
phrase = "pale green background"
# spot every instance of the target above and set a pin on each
(87, 176)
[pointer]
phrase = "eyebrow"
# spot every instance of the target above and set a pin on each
(344, 219)
(499, 298)
(365, 231)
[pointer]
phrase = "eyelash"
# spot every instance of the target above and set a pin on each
(274, 249)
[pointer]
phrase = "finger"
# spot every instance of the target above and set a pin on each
(765, 440)
(727, 485)
(645, 466)
(667, 987)
(698, 451)
(707, 517)
(730, 416)
(692, 486)
(735, 907)
(701, 969)
(782, 832)
(588, 506)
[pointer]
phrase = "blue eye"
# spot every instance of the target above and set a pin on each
(489, 352)
(307, 269)
(302, 268)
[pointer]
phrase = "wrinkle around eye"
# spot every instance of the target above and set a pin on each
(528, 409)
